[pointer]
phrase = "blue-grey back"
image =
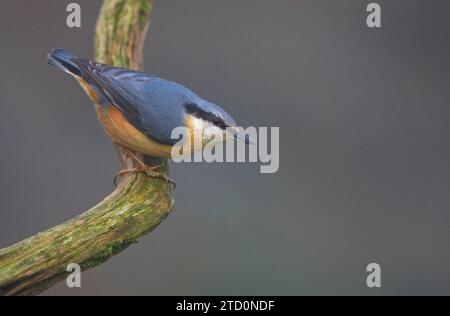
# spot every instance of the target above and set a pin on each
(153, 105)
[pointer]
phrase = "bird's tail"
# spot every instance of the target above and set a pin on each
(65, 61)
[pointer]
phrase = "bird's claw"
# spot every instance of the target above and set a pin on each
(148, 171)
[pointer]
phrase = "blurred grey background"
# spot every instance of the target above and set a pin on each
(364, 123)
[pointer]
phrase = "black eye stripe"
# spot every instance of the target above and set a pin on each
(195, 110)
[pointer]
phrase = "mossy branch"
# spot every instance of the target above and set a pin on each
(138, 205)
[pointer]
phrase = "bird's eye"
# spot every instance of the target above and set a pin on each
(195, 110)
(216, 121)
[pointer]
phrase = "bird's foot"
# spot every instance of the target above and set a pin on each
(151, 172)
(148, 171)
(143, 168)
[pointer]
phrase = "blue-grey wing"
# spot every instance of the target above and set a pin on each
(152, 105)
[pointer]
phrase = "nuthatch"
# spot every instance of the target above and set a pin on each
(139, 111)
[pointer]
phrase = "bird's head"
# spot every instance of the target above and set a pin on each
(203, 116)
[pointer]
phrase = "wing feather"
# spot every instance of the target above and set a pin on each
(152, 105)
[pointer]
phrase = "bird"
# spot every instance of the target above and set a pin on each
(139, 111)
